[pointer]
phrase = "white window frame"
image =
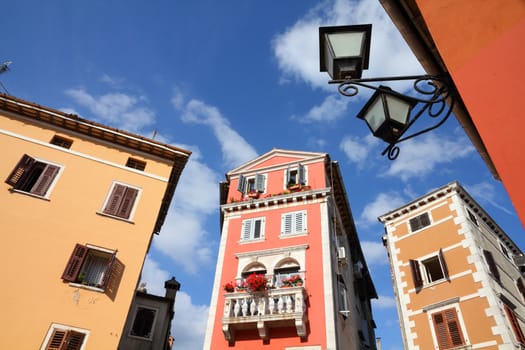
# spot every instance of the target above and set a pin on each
(295, 168)
(135, 312)
(422, 227)
(505, 251)
(425, 272)
(52, 183)
(93, 249)
(252, 223)
(293, 230)
(472, 217)
(247, 179)
(66, 328)
(108, 196)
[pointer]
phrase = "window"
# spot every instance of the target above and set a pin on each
(33, 176)
(61, 141)
(504, 250)
(89, 265)
(342, 295)
(252, 229)
(489, 258)
(143, 323)
(521, 288)
(472, 217)
(419, 222)
(63, 338)
(429, 270)
(281, 274)
(121, 201)
(447, 328)
(296, 176)
(136, 164)
(252, 184)
(293, 223)
(516, 328)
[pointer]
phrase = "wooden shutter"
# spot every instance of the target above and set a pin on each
(492, 264)
(300, 174)
(107, 272)
(521, 287)
(288, 173)
(75, 263)
(448, 331)
(124, 210)
(259, 183)
(44, 181)
(57, 339)
(115, 199)
(416, 273)
(20, 172)
(65, 340)
(246, 229)
(518, 333)
(241, 186)
(443, 264)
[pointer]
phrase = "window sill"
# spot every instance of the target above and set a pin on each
(246, 241)
(14, 190)
(83, 286)
(435, 283)
(292, 235)
(115, 217)
(150, 339)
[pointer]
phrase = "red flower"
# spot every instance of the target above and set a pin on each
(229, 287)
(256, 282)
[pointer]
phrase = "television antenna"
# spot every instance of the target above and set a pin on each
(4, 67)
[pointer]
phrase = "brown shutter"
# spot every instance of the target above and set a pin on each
(492, 264)
(44, 181)
(443, 264)
(124, 211)
(74, 340)
(107, 272)
(56, 340)
(416, 273)
(521, 287)
(448, 331)
(115, 199)
(21, 171)
(518, 333)
(75, 263)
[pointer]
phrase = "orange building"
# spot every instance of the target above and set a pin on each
(80, 204)
(457, 276)
(290, 271)
(478, 43)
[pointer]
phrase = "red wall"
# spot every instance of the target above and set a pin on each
(483, 46)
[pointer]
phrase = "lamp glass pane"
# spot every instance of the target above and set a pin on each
(375, 115)
(346, 44)
(398, 109)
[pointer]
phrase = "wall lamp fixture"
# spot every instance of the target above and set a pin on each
(344, 54)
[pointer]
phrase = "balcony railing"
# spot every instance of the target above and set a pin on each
(281, 307)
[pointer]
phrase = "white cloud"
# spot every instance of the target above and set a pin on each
(420, 156)
(118, 110)
(357, 148)
(486, 192)
(189, 322)
(384, 302)
(382, 204)
(235, 149)
(375, 253)
(332, 108)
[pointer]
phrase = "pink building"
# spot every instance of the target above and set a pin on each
(290, 272)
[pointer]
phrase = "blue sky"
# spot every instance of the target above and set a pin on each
(231, 80)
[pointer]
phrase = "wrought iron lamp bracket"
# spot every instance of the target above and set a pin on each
(434, 97)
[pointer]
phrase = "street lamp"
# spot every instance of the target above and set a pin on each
(344, 53)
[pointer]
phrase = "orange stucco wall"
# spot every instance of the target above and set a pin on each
(481, 43)
(40, 234)
(279, 337)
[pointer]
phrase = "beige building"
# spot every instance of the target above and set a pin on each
(80, 204)
(456, 274)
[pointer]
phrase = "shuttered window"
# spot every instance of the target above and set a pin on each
(521, 288)
(516, 328)
(61, 142)
(447, 328)
(33, 176)
(419, 222)
(489, 258)
(252, 184)
(89, 266)
(293, 223)
(63, 339)
(429, 270)
(252, 229)
(416, 273)
(121, 201)
(296, 175)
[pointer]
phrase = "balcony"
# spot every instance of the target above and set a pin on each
(282, 307)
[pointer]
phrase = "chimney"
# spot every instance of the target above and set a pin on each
(172, 287)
